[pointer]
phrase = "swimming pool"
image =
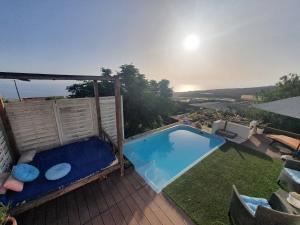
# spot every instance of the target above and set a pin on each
(163, 156)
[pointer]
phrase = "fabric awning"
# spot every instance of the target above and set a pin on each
(287, 107)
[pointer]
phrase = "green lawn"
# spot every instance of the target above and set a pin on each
(204, 191)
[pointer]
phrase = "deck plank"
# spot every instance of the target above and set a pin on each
(137, 213)
(97, 220)
(127, 185)
(138, 178)
(51, 213)
(62, 210)
(163, 218)
(73, 213)
(169, 209)
(91, 202)
(107, 193)
(117, 215)
(146, 210)
(148, 199)
(136, 185)
(114, 191)
(98, 195)
(127, 214)
(107, 218)
(27, 217)
(119, 185)
(84, 215)
(112, 201)
(40, 217)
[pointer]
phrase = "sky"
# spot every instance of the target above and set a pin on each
(241, 43)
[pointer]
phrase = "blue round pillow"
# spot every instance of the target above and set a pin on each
(58, 171)
(25, 172)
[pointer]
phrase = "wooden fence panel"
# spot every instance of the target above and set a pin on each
(76, 119)
(108, 117)
(33, 125)
(5, 157)
(40, 125)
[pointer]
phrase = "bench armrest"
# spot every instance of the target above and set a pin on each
(292, 164)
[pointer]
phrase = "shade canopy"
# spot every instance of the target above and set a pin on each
(286, 107)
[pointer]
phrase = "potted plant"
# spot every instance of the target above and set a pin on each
(5, 218)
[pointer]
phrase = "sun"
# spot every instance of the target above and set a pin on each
(191, 42)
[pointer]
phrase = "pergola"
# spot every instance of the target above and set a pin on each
(119, 142)
(95, 79)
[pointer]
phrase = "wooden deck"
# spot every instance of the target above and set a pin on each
(261, 143)
(113, 201)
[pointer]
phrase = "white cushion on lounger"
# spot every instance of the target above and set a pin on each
(58, 171)
(295, 174)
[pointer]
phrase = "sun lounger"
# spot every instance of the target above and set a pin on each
(245, 210)
(88, 158)
(226, 133)
(290, 142)
(290, 175)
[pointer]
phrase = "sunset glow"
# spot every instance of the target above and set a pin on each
(211, 44)
(191, 42)
(187, 87)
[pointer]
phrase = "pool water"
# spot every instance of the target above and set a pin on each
(163, 156)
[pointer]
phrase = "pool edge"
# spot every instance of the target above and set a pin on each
(153, 186)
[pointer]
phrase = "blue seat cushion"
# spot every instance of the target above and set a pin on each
(25, 172)
(295, 174)
(253, 203)
(58, 171)
(86, 158)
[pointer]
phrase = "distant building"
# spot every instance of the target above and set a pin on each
(250, 98)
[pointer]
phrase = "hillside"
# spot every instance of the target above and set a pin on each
(234, 93)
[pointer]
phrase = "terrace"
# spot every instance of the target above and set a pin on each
(204, 192)
(112, 201)
(199, 195)
(53, 128)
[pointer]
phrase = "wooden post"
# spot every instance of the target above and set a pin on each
(96, 92)
(119, 123)
(8, 130)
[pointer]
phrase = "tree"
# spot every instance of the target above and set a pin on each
(288, 86)
(164, 90)
(86, 88)
(146, 104)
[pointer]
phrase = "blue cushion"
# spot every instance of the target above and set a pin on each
(58, 171)
(25, 172)
(253, 203)
(295, 174)
(86, 157)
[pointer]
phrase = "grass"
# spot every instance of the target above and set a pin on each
(204, 191)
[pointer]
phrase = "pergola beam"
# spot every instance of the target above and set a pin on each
(41, 76)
